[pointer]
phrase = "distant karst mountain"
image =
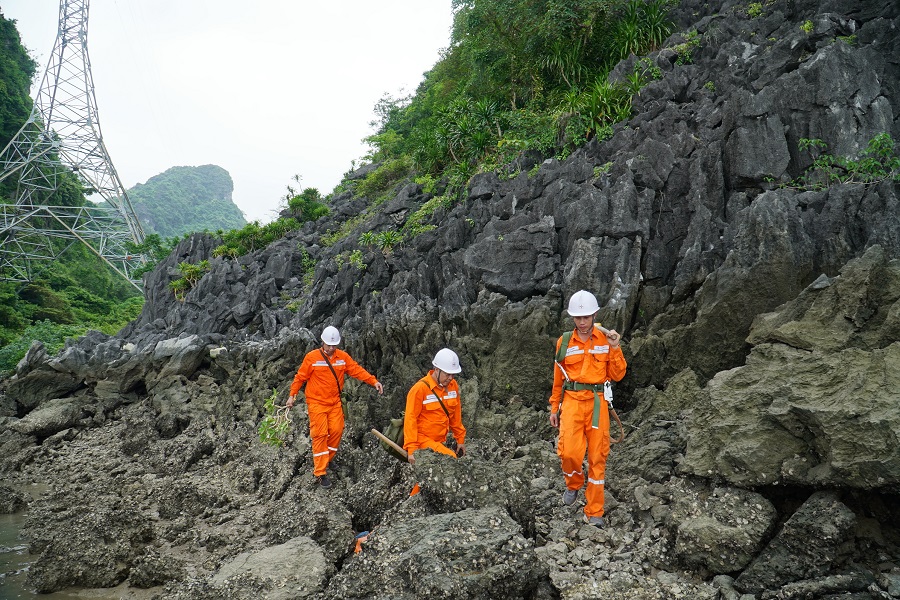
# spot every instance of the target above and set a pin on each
(187, 199)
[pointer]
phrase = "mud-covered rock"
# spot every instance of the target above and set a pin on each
(473, 553)
(814, 542)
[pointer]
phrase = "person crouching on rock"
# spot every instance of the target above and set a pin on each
(590, 358)
(433, 407)
(323, 371)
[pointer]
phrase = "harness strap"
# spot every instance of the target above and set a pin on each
(436, 395)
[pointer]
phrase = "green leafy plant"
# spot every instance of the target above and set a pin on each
(379, 183)
(877, 163)
(601, 169)
(356, 260)
(386, 240)
(191, 274)
(308, 265)
(276, 422)
(153, 249)
(685, 50)
(754, 9)
(307, 206)
(807, 27)
(709, 85)
(52, 335)
(650, 69)
(333, 237)
(416, 225)
(254, 236)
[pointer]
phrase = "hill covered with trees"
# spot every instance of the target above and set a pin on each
(186, 199)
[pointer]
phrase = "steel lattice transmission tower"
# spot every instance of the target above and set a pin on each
(62, 137)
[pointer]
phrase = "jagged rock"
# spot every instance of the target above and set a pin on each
(35, 356)
(296, 569)
(153, 569)
(90, 544)
(831, 397)
(11, 500)
(813, 543)
(179, 357)
(40, 385)
(473, 553)
(726, 533)
(51, 417)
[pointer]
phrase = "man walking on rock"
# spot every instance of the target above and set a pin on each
(586, 359)
(323, 371)
(433, 407)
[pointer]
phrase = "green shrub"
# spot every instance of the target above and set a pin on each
(306, 205)
(276, 422)
(191, 274)
(383, 179)
(877, 163)
(254, 236)
(52, 335)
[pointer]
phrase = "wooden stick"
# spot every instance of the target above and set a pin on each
(387, 441)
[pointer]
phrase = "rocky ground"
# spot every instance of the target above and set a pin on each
(761, 328)
(210, 512)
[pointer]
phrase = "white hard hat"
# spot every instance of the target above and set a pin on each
(583, 303)
(331, 336)
(447, 361)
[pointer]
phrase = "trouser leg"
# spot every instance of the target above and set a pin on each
(335, 430)
(598, 451)
(318, 433)
(572, 444)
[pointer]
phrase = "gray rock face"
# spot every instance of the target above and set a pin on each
(51, 417)
(761, 328)
(816, 402)
(726, 533)
(473, 553)
(296, 569)
(95, 548)
(812, 544)
(11, 500)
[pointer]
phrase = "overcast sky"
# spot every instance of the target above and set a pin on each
(263, 88)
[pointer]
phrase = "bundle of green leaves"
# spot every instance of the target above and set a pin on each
(276, 423)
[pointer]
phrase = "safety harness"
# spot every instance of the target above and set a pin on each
(576, 386)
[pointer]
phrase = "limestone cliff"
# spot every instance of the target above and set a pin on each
(761, 328)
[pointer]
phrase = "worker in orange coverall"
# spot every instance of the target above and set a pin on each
(323, 371)
(433, 407)
(591, 358)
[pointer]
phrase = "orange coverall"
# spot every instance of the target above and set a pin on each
(591, 362)
(323, 401)
(425, 424)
